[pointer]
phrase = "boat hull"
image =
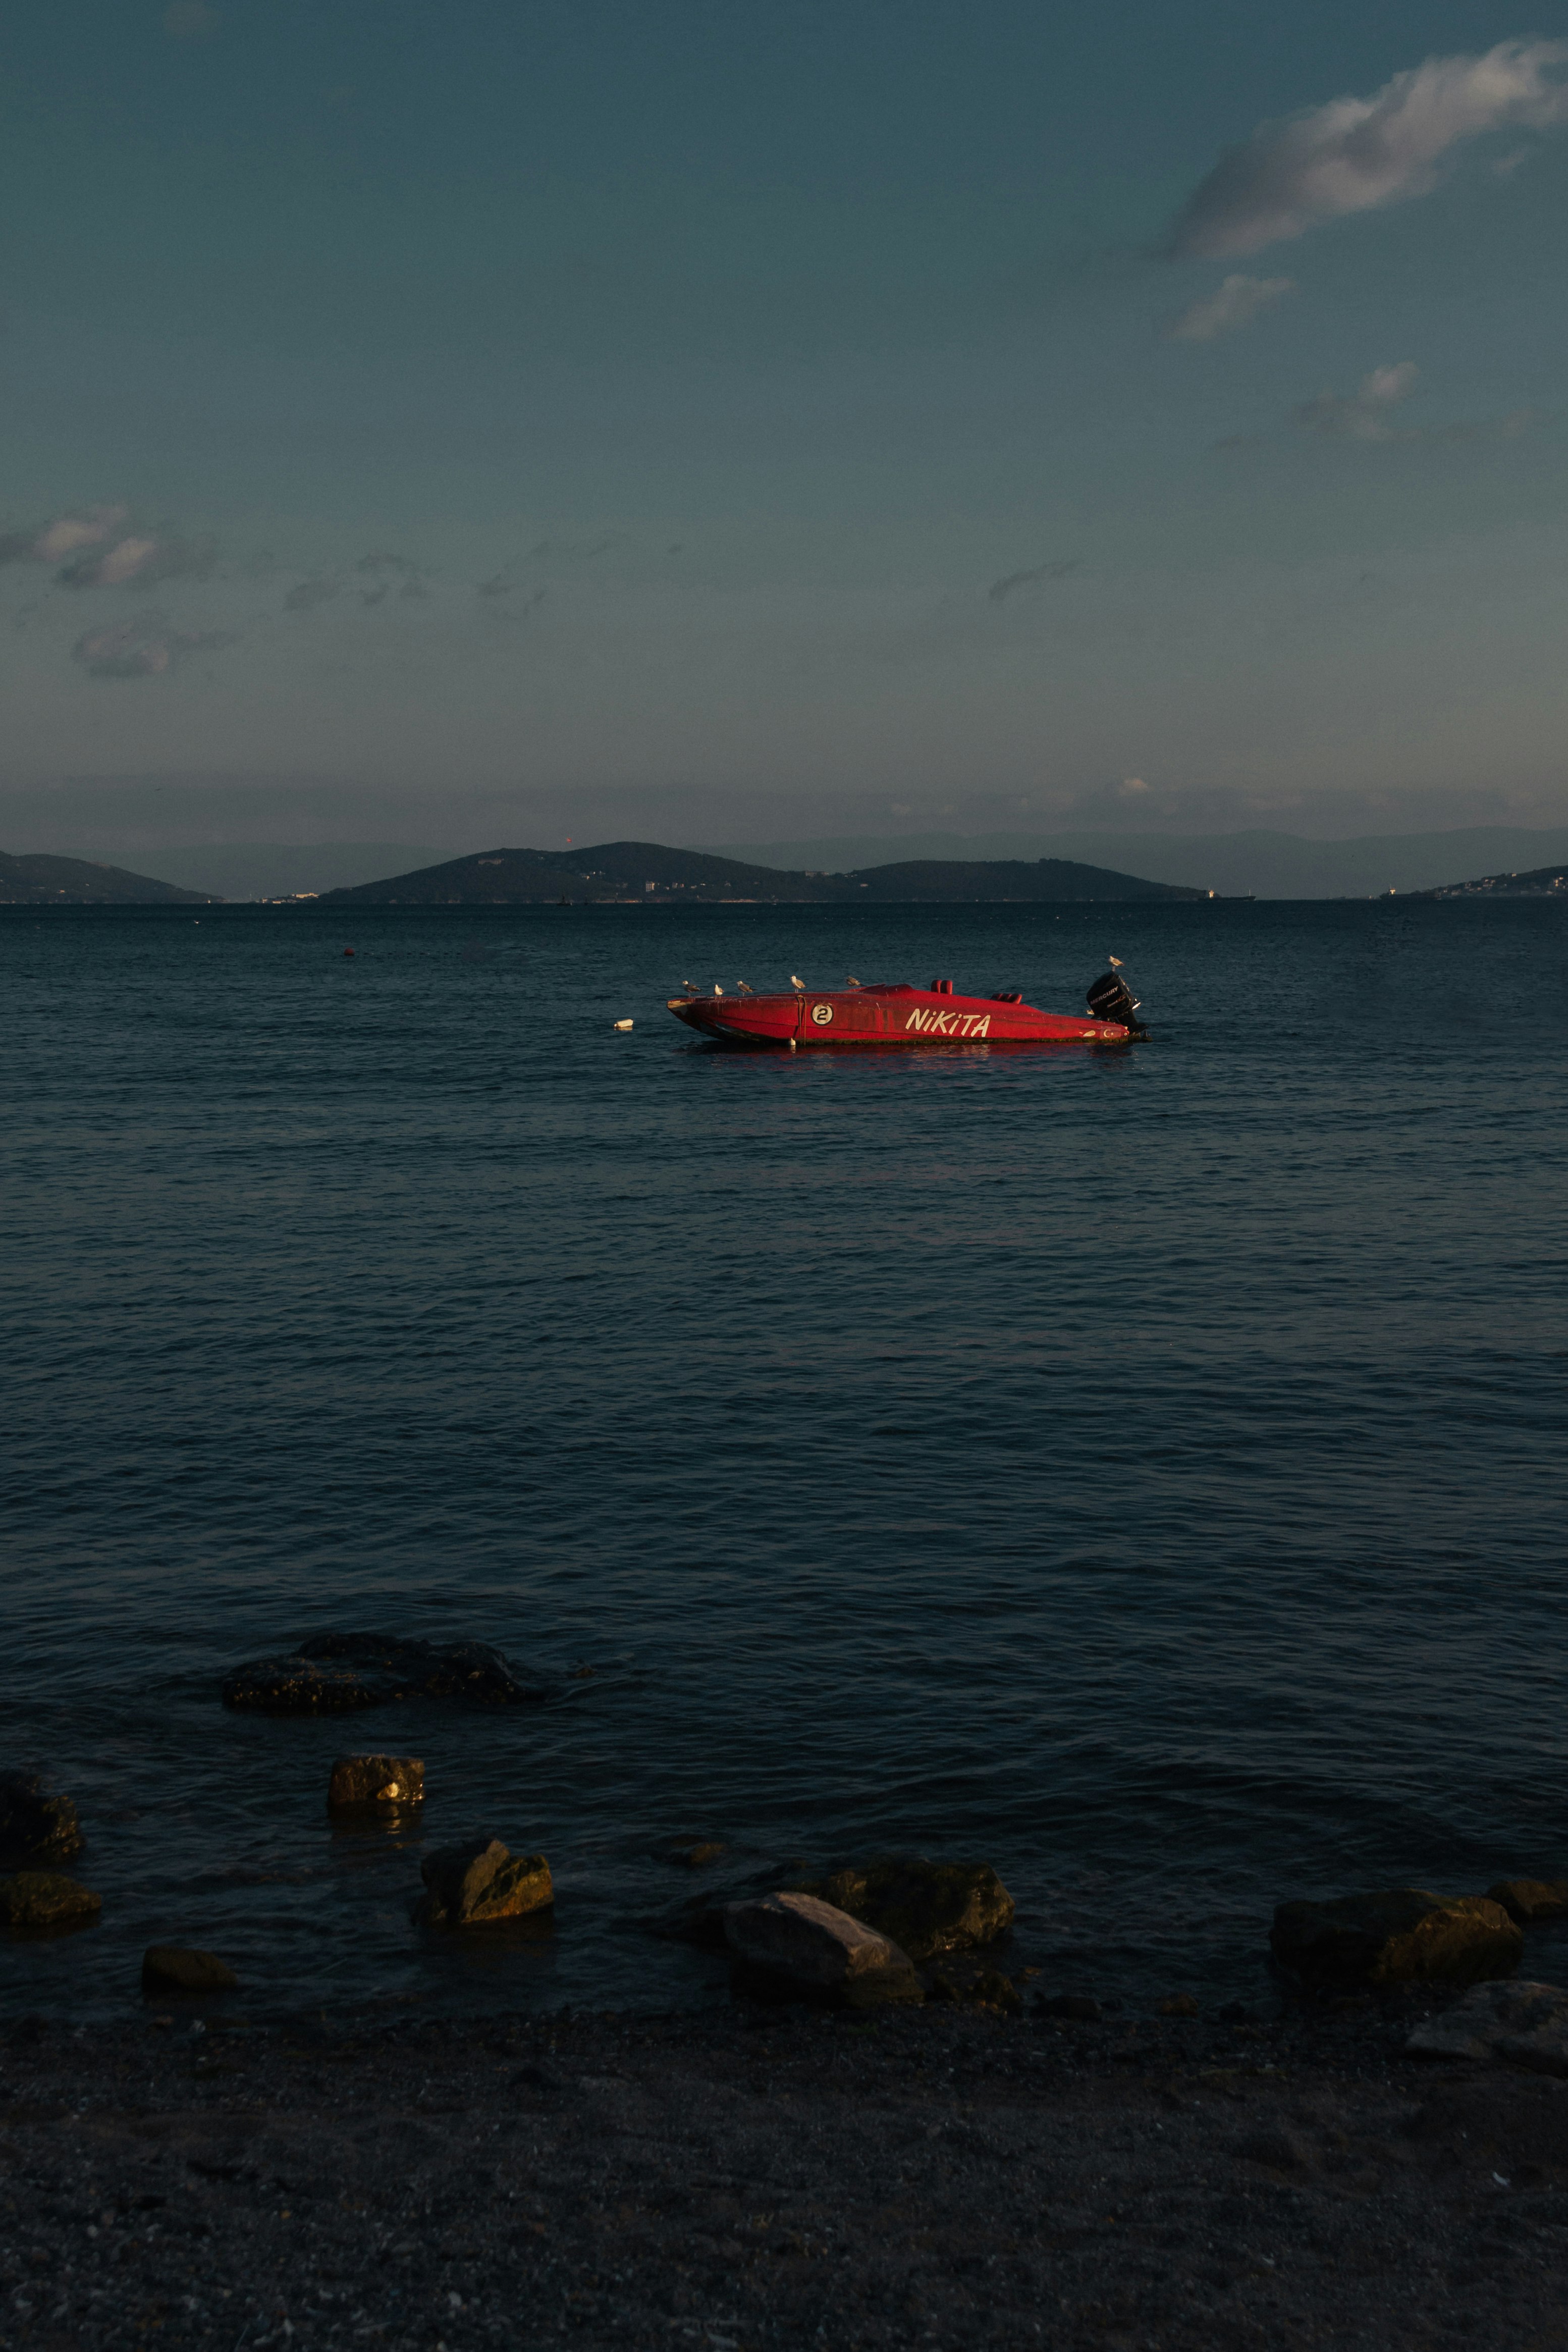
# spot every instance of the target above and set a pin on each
(898, 1016)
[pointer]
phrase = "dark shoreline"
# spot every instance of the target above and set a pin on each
(747, 2177)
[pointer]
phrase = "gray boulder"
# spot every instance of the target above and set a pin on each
(809, 1948)
(362, 1784)
(39, 1901)
(36, 1825)
(1514, 2024)
(1397, 1935)
(477, 1884)
(171, 1968)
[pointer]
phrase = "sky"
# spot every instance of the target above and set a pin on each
(515, 420)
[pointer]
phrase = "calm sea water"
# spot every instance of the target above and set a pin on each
(1142, 1469)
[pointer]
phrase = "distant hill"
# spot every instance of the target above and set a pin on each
(1544, 882)
(78, 882)
(1258, 861)
(644, 873)
(951, 881)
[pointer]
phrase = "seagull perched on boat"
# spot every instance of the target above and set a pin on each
(795, 980)
(744, 989)
(1115, 961)
(717, 989)
(852, 980)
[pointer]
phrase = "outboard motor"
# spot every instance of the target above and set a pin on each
(1111, 999)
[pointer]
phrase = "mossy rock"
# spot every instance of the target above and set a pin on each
(480, 1885)
(926, 1907)
(1531, 1898)
(36, 1825)
(38, 1902)
(1397, 1935)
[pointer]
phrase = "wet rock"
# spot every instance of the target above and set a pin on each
(1531, 1898)
(336, 1674)
(171, 1968)
(692, 1854)
(299, 1686)
(926, 1907)
(1081, 2008)
(806, 1946)
(1397, 1935)
(36, 1825)
(476, 1885)
(1177, 2004)
(375, 1783)
(1516, 2025)
(970, 1984)
(37, 1900)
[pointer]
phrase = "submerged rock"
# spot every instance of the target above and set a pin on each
(336, 1674)
(171, 1968)
(473, 1886)
(1396, 1935)
(36, 1825)
(1531, 1898)
(39, 1900)
(692, 1854)
(375, 1783)
(808, 1947)
(1519, 2024)
(926, 1907)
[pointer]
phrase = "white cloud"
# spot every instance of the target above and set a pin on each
(73, 532)
(1358, 153)
(123, 562)
(1365, 414)
(143, 649)
(1220, 313)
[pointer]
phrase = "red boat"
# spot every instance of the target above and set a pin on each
(893, 1014)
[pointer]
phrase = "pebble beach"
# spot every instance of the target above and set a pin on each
(761, 2177)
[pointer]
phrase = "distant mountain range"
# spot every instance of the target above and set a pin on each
(78, 882)
(1542, 882)
(644, 873)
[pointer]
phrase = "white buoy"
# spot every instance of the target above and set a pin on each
(623, 1024)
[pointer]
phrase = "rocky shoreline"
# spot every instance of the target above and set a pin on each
(893, 2133)
(778, 2177)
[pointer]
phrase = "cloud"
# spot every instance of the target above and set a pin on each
(1362, 415)
(143, 649)
(1001, 589)
(65, 537)
(400, 566)
(189, 20)
(499, 586)
(1220, 313)
(143, 559)
(1356, 155)
(306, 594)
